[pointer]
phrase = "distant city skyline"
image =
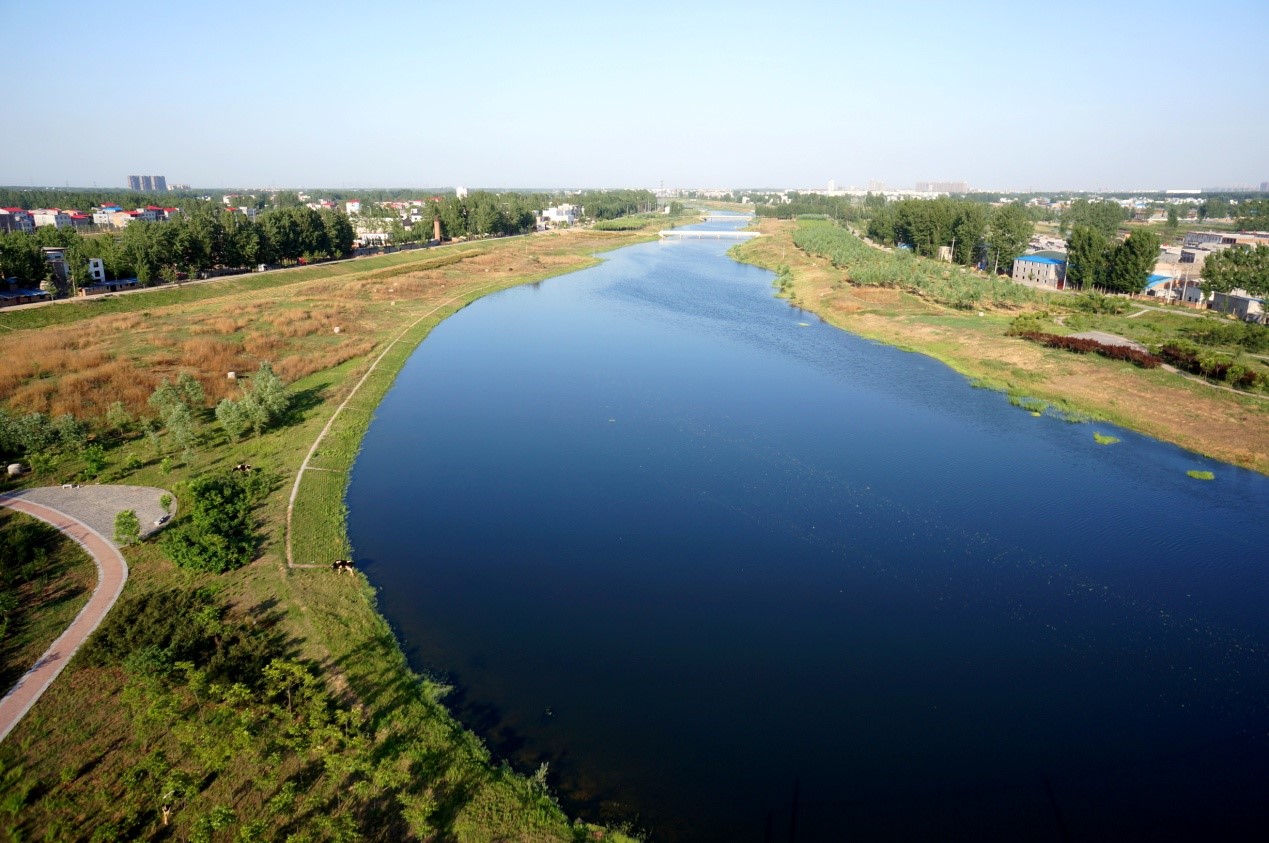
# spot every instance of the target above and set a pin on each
(1001, 96)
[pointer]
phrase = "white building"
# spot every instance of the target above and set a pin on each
(460, 192)
(561, 215)
(353, 206)
(51, 216)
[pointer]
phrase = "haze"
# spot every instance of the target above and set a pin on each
(1000, 95)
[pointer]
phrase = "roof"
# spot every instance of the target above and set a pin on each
(1156, 279)
(1038, 259)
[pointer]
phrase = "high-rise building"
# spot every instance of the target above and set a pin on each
(1264, 187)
(832, 185)
(876, 186)
(149, 184)
(942, 187)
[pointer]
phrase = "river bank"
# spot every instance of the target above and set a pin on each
(71, 760)
(1227, 426)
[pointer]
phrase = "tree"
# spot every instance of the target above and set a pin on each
(232, 417)
(1173, 219)
(1103, 217)
(1131, 262)
(127, 527)
(267, 388)
(1007, 236)
(1238, 268)
(1086, 255)
(1215, 207)
(1253, 215)
(216, 535)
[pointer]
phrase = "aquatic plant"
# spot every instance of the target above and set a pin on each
(1103, 439)
(1201, 475)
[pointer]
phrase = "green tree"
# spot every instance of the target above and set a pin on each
(127, 527)
(1007, 236)
(233, 418)
(217, 533)
(1131, 262)
(1103, 217)
(1215, 207)
(94, 461)
(1238, 268)
(1086, 256)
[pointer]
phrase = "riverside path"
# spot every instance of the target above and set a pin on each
(112, 573)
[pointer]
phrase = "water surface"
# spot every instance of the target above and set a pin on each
(739, 575)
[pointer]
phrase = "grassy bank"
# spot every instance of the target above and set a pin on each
(45, 580)
(381, 758)
(963, 320)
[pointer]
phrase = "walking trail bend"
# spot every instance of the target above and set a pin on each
(93, 507)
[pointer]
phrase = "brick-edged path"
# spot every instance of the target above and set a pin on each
(112, 573)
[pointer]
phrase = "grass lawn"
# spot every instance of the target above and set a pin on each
(44, 599)
(96, 757)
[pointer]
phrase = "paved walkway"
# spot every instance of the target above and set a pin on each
(90, 506)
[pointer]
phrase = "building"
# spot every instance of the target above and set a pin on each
(51, 216)
(149, 184)
(560, 215)
(353, 206)
(942, 187)
(1239, 303)
(16, 219)
(1040, 271)
(11, 293)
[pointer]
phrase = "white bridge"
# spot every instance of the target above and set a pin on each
(707, 235)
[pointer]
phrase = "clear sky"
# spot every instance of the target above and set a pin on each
(1008, 95)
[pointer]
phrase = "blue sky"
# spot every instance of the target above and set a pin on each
(1002, 95)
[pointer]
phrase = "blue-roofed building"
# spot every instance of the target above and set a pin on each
(1040, 271)
(1172, 289)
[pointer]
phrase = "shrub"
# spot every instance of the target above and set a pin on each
(1084, 346)
(1187, 357)
(217, 534)
(127, 527)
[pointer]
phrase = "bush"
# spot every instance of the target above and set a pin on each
(217, 534)
(1187, 357)
(127, 527)
(1083, 346)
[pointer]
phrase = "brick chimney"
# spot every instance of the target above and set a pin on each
(436, 229)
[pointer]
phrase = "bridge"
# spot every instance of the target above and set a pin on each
(707, 235)
(728, 217)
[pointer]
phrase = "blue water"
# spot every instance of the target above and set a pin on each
(739, 575)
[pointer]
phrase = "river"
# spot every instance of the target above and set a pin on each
(739, 575)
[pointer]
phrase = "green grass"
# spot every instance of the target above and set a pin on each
(46, 598)
(1201, 475)
(437, 780)
(1103, 439)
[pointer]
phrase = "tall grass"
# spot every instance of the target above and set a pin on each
(940, 282)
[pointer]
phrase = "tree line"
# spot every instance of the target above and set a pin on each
(976, 234)
(206, 239)
(843, 208)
